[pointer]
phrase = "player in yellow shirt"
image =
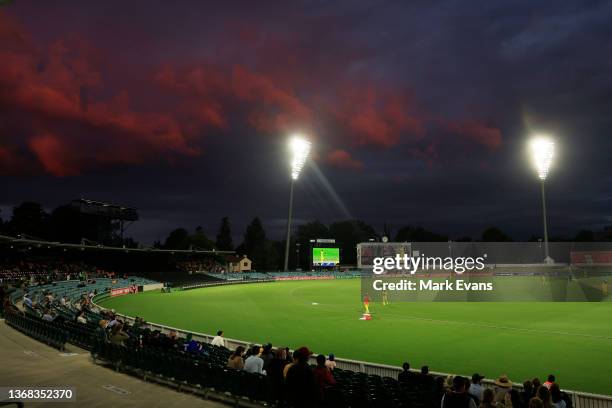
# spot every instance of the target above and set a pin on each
(385, 298)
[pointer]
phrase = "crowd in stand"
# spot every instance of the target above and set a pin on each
(200, 266)
(461, 392)
(33, 272)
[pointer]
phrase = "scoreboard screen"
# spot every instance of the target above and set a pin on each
(325, 256)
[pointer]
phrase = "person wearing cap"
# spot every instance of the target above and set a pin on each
(457, 397)
(301, 387)
(502, 386)
(476, 387)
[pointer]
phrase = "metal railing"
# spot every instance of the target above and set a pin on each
(579, 399)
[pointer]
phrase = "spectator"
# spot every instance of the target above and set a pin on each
(254, 363)
(550, 381)
(556, 396)
(300, 384)
(458, 396)
(26, 300)
(267, 355)
(406, 376)
(536, 385)
(118, 336)
(235, 361)
(544, 395)
(274, 374)
(426, 381)
(331, 362)
(191, 346)
(513, 399)
(535, 402)
(476, 389)
(48, 316)
(291, 364)
(448, 382)
(527, 393)
(323, 377)
(218, 340)
(488, 396)
(439, 388)
(81, 318)
(502, 386)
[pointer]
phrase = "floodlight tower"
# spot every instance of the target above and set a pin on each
(299, 149)
(542, 152)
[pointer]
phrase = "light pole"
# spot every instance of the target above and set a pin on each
(542, 152)
(299, 150)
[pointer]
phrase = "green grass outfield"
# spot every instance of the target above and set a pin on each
(521, 339)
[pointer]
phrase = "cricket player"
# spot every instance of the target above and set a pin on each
(366, 303)
(604, 288)
(385, 298)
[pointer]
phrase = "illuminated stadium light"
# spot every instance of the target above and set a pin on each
(542, 152)
(300, 148)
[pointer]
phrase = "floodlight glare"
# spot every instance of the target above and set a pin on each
(300, 148)
(542, 151)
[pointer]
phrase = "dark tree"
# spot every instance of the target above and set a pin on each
(29, 218)
(494, 234)
(199, 240)
(347, 235)
(177, 239)
(224, 237)
(273, 258)
(418, 234)
(254, 244)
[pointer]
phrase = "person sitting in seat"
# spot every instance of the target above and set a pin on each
(118, 336)
(323, 377)
(254, 363)
(236, 361)
(81, 318)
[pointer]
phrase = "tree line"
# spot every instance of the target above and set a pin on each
(66, 224)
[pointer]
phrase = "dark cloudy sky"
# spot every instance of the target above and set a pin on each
(419, 111)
